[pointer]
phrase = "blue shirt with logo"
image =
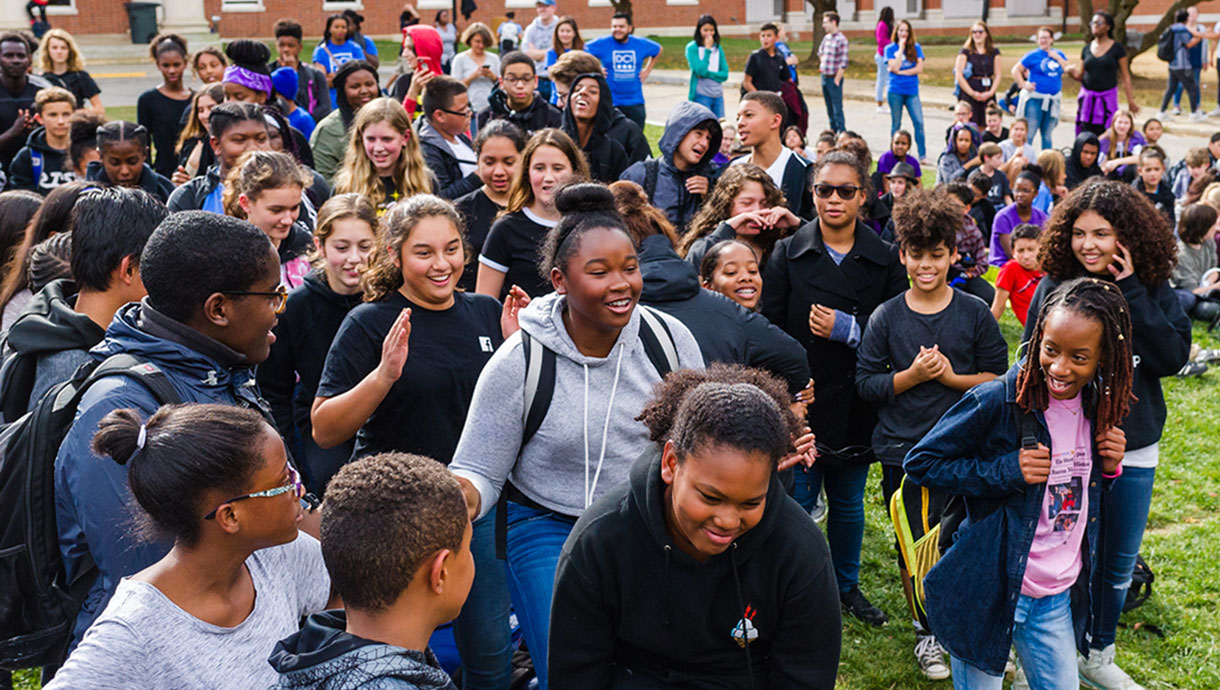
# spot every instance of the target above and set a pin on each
(1044, 71)
(904, 84)
(623, 62)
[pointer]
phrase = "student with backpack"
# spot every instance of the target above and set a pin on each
(1108, 230)
(239, 577)
(52, 337)
(122, 160)
(1033, 454)
(680, 179)
(601, 354)
(704, 525)
(212, 300)
(922, 350)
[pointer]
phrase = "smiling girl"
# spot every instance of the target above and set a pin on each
(1020, 211)
(209, 65)
(498, 148)
(233, 129)
(160, 109)
(745, 205)
(266, 188)
(383, 160)
(509, 256)
(731, 268)
(1110, 231)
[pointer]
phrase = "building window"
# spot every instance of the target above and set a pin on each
(510, 4)
(242, 6)
(61, 7)
(434, 5)
(340, 5)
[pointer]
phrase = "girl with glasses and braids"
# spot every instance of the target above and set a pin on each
(1036, 454)
(820, 285)
(215, 481)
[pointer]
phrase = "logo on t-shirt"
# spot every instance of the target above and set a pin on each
(1050, 67)
(1066, 488)
(624, 64)
(485, 344)
(744, 632)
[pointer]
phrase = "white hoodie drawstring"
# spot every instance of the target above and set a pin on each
(589, 490)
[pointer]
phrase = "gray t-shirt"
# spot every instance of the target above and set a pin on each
(540, 36)
(143, 639)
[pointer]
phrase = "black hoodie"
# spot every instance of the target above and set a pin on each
(614, 143)
(52, 335)
(725, 330)
(539, 114)
(303, 336)
(1077, 173)
(631, 610)
(150, 180)
(38, 167)
(1162, 198)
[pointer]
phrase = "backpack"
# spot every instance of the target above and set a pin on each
(539, 388)
(17, 375)
(1165, 45)
(38, 606)
(1141, 584)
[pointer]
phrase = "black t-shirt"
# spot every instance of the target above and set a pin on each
(1101, 73)
(479, 212)
(983, 214)
(999, 189)
(769, 72)
(79, 83)
(989, 137)
(512, 248)
(425, 409)
(162, 116)
(981, 66)
(10, 103)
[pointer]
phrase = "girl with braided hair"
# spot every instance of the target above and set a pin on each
(1031, 454)
(1110, 231)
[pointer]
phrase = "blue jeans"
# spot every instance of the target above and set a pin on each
(1042, 632)
(1179, 79)
(845, 514)
(1177, 94)
(1124, 514)
(883, 77)
(716, 105)
(833, 95)
(915, 109)
(481, 631)
(535, 538)
(1039, 121)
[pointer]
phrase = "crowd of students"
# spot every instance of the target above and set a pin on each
(579, 399)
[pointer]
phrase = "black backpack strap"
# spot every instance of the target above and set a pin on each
(652, 168)
(539, 385)
(658, 341)
(148, 374)
(1027, 424)
(16, 383)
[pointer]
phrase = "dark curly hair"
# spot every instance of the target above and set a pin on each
(1139, 226)
(736, 425)
(924, 219)
(717, 206)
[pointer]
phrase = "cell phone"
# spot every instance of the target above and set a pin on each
(428, 62)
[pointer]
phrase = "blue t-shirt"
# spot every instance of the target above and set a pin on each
(903, 84)
(300, 119)
(370, 48)
(214, 202)
(1044, 72)
(338, 55)
(623, 62)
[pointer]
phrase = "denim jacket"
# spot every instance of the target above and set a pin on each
(971, 593)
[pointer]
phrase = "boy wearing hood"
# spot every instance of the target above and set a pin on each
(516, 98)
(400, 576)
(442, 137)
(679, 180)
(52, 337)
(206, 322)
(610, 141)
(40, 165)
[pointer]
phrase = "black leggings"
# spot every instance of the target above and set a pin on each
(1186, 78)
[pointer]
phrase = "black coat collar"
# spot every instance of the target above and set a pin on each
(868, 246)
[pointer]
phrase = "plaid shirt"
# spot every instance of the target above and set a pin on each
(833, 52)
(970, 243)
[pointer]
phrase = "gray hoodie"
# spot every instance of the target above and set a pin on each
(552, 468)
(670, 194)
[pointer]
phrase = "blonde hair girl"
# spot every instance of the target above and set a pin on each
(266, 188)
(383, 160)
(62, 64)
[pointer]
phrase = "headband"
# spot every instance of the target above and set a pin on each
(250, 79)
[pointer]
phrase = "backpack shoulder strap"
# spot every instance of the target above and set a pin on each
(1027, 425)
(652, 168)
(147, 373)
(658, 341)
(539, 385)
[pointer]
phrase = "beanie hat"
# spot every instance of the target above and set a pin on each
(286, 82)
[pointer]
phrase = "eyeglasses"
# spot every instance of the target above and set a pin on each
(516, 80)
(468, 112)
(280, 295)
(1096, 22)
(979, 32)
(294, 484)
(846, 191)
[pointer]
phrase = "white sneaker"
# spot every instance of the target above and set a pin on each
(931, 658)
(1177, 110)
(1215, 112)
(1163, 116)
(818, 513)
(1098, 670)
(1198, 116)
(884, 109)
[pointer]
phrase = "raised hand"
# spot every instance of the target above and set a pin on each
(394, 348)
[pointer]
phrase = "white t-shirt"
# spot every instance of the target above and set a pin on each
(143, 639)
(479, 90)
(465, 156)
(776, 169)
(1008, 148)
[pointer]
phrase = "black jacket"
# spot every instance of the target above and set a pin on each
(608, 153)
(1162, 198)
(801, 272)
(450, 184)
(1075, 172)
(631, 610)
(725, 331)
(38, 167)
(539, 115)
(1162, 335)
(669, 189)
(150, 180)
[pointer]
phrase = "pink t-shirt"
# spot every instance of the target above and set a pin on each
(882, 34)
(1054, 557)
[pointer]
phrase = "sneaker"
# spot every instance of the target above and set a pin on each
(931, 658)
(1198, 116)
(1177, 110)
(1192, 369)
(1098, 670)
(1163, 116)
(1206, 356)
(818, 513)
(854, 603)
(1215, 112)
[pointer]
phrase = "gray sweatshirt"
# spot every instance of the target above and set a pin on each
(559, 468)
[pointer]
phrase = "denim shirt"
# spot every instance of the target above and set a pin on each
(971, 593)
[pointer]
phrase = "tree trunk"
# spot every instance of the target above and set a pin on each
(820, 7)
(1122, 10)
(1085, 7)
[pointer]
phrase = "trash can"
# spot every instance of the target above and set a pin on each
(142, 17)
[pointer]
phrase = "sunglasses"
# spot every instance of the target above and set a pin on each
(846, 191)
(978, 31)
(294, 484)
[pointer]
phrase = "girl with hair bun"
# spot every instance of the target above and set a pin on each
(248, 80)
(702, 524)
(160, 109)
(400, 375)
(216, 481)
(603, 376)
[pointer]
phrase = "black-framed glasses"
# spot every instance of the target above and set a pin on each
(846, 191)
(468, 112)
(280, 294)
(293, 484)
(516, 80)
